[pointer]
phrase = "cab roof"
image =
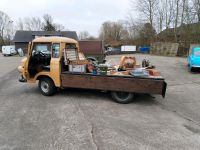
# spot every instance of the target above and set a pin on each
(55, 39)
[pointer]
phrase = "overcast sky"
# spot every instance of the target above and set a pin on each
(76, 15)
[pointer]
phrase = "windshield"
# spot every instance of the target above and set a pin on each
(43, 47)
(197, 53)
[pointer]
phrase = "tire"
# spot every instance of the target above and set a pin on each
(47, 87)
(191, 69)
(122, 97)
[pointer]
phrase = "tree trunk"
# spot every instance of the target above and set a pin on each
(183, 10)
(176, 19)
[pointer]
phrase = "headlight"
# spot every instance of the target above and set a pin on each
(20, 69)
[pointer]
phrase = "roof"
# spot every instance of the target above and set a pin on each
(55, 39)
(91, 47)
(27, 36)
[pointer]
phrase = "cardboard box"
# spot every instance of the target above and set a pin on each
(153, 72)
(77, 68)
(79, 62)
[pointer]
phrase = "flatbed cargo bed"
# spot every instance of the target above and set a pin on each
(125, 83)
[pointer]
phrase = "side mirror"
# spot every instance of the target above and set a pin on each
(33, 52)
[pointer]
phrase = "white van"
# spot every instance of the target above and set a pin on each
(128, 48)
(8, 50)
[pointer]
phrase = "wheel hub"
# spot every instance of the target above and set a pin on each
(122, 95)
(44, 86)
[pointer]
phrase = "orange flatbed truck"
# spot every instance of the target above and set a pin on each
(46, 62)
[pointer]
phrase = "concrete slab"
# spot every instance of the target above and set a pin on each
(85, 119)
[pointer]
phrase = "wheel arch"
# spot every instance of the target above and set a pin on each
(48, 75)
(43, 76)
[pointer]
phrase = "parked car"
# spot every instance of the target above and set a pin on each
(194, 58)
(113, 51)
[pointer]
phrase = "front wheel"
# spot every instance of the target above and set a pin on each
(47, 87)
(191, 69)
(122, 97)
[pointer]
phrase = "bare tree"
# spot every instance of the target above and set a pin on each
(59, 27)
(20, 24)
(133, 26)
(190, 15)
(83, 35)
(196, 6)
(160, 16)
(5, 26)
(38, 24)
(48, 23)
(30, 23)
(184, 4)
(168, 11)
(176, 17)
(147, 8)
(34, 23)
(9, 32)
(111, 31)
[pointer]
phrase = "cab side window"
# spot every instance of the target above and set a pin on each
(56, 50)
(71, 51)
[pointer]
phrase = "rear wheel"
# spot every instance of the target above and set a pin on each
(47, 87)
(122, 97)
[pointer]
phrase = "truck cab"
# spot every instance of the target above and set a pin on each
(44, 61)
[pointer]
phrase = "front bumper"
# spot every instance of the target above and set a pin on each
(21, 79)
(21, 71)
(195, 66)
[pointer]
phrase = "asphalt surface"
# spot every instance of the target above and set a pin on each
(84, 119)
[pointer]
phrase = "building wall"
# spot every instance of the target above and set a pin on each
(91, 47)
(23, 46)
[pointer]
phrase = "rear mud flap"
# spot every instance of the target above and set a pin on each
(164, 89)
